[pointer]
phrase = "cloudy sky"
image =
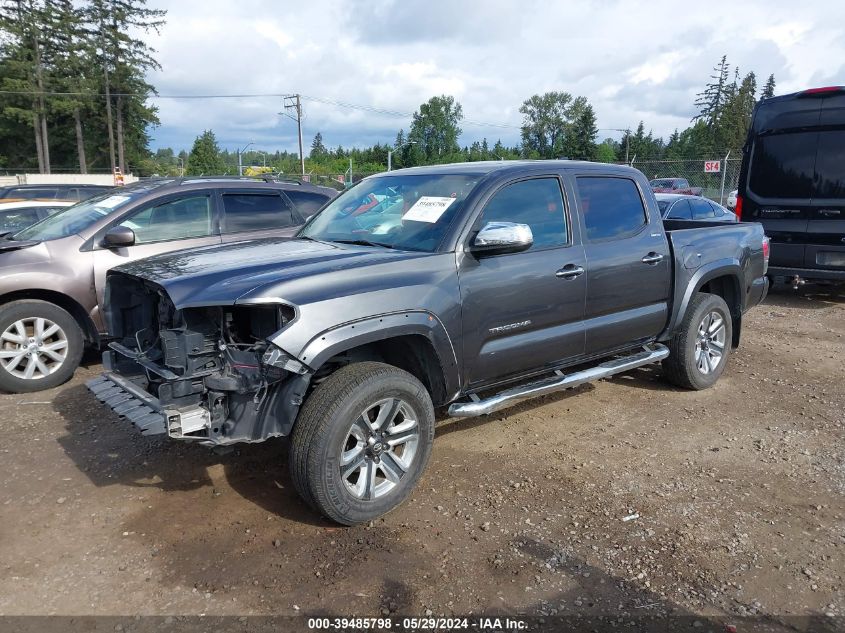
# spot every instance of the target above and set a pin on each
(633, 60)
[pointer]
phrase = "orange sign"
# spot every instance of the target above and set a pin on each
(118, 177)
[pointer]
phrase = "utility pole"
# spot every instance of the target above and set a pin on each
(294, 102)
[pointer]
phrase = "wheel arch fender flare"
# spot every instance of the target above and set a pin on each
(350, 335)
(731, 268)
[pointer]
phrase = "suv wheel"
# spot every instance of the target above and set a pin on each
(40, 346)
(699, 351)
(361, 442)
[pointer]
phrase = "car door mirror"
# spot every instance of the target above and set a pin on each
(498, 238)
(118, 237)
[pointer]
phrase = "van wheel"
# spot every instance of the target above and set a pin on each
(361, 442)
(699, 350)
(40, 346)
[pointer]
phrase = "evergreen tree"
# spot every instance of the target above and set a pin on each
(583, 134)
(769, 88)
(318, 150)
(712, 100)
(205, 158)
(22, 24)
(125, 62)
(70, 64)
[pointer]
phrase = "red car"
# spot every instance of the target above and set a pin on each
(674, 185)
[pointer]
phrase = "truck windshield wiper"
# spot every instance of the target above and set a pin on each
(364, 243)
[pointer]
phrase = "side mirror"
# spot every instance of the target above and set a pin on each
(118, 237)
(499, 238)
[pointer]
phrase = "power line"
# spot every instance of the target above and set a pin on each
(271, 95)
(260, 95)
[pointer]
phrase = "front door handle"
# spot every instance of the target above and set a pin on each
(653, 258)
(570, 271)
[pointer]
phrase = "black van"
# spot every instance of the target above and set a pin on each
(792, 181)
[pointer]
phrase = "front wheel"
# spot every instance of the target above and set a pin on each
(362, 441)
(40, 346)
(699, 350)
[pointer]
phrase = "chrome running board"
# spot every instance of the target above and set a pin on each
(557, 382)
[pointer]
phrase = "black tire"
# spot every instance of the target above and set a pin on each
(323, 430)
(683, 367)
(28, 312)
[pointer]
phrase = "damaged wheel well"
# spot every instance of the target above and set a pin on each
(413, 353)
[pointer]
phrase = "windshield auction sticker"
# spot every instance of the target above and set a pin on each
(428, 209)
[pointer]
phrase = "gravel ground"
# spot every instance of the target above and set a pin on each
(735, 499)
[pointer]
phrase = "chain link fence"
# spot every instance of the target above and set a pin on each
(714, 185)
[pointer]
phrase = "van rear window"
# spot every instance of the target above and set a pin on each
(782, 165)
(830, 165)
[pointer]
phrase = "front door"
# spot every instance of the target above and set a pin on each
(628, 264)
(522, 311)
(181, 222)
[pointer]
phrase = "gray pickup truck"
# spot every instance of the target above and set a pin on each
(468, 286)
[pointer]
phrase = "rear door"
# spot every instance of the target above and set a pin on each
(254, 213)
(826, 220)
(778, 193)
(628, 263)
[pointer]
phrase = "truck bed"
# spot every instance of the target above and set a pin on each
(701, 247)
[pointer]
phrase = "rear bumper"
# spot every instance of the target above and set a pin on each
(810, 274)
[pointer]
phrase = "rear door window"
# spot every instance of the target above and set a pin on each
(306, 202)
(830, 165)
(680, 211)
(702, 209)
(255, 212)
(782, 165)
(612, 207)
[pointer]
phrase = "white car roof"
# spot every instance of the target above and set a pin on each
(31, 204)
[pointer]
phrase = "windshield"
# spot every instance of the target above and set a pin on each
(78, 217)
(404, 212)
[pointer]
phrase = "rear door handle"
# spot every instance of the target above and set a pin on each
(653, 258)
(570, 271)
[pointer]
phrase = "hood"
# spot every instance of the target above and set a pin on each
(222, 274)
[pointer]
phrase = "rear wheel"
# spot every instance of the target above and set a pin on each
(361, 442)
(40, 346)
(698, 352)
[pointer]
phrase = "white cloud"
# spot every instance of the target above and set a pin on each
(634, 60)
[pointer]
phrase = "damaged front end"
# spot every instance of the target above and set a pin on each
(205, 374)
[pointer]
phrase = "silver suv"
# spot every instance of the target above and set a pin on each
(52, 274)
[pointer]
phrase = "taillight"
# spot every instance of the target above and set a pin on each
(767, 247)
(738, 207)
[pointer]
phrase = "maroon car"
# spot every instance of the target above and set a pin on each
(674, 185)
(52, 274)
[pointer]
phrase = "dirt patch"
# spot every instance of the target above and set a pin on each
(736, 493)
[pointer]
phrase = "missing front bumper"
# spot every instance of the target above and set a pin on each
(146, 413)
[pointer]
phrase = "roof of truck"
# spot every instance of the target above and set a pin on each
(486, 167)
